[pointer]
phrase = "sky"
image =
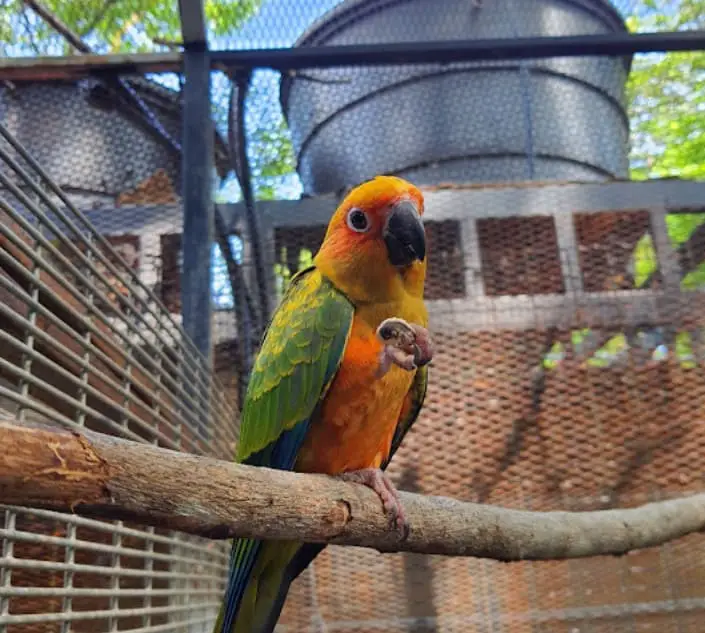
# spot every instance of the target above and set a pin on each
(277, 24)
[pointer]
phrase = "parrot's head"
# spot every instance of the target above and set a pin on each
(375, 245)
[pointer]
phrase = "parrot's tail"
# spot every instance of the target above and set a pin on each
(261, 573)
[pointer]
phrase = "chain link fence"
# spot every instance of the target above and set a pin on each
(565, 294)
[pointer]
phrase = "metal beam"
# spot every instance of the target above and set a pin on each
(193, 23)
(82, 66)
(459, 50)
(74, 67)
(197, 179)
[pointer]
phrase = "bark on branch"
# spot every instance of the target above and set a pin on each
(104, 477)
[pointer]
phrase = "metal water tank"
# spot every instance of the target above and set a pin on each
(551, 119)
(89, 140)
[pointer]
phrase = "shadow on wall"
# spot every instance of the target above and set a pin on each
(418, 573)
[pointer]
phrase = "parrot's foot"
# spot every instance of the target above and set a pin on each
(379, 482)
(405, 344)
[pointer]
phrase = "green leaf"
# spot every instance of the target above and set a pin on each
(666, 96)
(117, 27)
(645, 260)
(684, 350)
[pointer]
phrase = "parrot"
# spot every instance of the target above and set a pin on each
(340, 376)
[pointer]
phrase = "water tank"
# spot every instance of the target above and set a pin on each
(88, 141)
(96, 144)
(551, 119)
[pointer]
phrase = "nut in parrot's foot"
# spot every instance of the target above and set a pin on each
(379, 482)
(405, 344)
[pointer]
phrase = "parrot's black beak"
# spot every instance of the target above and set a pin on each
(404, 235)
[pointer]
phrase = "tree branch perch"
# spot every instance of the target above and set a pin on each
(104, 477)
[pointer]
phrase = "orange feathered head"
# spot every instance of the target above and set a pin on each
(375, 245)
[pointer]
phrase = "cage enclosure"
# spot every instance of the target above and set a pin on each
(88, 187)
(566, 303)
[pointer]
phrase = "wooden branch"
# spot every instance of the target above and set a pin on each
(104, 477)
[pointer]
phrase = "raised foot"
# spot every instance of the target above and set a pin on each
(379, 482)
(405, 344)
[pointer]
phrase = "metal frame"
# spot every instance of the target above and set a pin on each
(477, 311)
(193, 24)
(53, 251)
(460, 50)
(466, 205)
(197, 177)
(286, 59)
(184, 551)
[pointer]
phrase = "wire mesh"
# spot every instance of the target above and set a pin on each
(148, 25)
(279, 23)
(90, 338)
(565, 377)
(567, 315)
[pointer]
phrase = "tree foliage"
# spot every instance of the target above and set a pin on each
(666, 93)
(270, 150)
(110, 26)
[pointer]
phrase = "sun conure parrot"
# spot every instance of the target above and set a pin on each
(340, 377)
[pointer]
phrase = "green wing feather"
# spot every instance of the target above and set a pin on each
(300, 354)
(299, 357)
(410, 411)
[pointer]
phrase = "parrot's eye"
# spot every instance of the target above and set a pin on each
(358, 221)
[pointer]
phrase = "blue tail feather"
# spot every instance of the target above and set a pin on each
(243, 557)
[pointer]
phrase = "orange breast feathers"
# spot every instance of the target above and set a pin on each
(359, 414)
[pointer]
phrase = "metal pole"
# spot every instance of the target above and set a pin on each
(285, 59)
(197, 181)
(447, 51)
(237, 129)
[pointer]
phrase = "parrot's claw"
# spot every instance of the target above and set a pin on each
(379, 482)
(405, 344)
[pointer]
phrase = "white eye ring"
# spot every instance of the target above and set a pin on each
(358, 221)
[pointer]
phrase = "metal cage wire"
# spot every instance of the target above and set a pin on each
(86, 343)
(568, 317)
